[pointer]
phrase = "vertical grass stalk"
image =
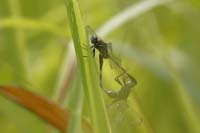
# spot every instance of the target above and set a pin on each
(87, 67)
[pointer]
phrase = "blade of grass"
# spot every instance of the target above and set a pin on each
(24, 23)
(75, 103)
(128, 14)
(185, 101)
(44, 108)
(88, 72)
(18, 49)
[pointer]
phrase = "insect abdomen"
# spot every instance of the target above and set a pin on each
(112, 94)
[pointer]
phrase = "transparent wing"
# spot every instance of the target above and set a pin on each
(113, 57)
(90, 31)
(123, 118)
(113, 65)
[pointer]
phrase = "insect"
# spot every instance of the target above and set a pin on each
(126, 84)
(105, 52)
(105, 49)
(121, 117)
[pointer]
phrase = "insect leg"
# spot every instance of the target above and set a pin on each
(133, 80)
(117, 79)
(93, 52)
(124, 80)
(111, 93)
(92, 47)
(109, 45)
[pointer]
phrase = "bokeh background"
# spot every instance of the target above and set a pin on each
(160, 47)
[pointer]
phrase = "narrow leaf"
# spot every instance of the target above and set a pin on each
(44, 108)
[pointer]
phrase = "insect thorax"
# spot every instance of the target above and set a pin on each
(102, 48)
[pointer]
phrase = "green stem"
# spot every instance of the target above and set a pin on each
(18, 49)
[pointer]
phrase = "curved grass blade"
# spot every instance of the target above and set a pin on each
(85, 124)
(30, 24)
(47, 110)
(44, 108)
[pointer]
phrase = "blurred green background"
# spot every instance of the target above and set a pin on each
(160, 48)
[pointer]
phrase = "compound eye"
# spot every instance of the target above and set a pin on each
(93, 39)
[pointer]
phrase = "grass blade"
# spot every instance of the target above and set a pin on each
(88, 71)
(47, 110)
